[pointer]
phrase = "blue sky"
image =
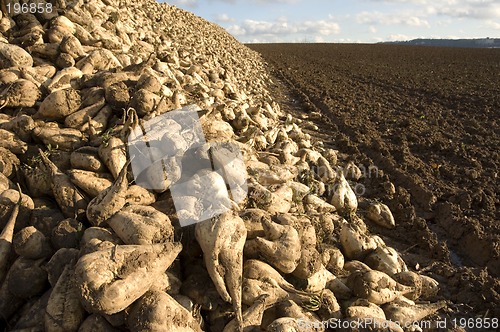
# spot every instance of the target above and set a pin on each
(349, 20)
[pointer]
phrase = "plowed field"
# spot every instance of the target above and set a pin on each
(429, 119)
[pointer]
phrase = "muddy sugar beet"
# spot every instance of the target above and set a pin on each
(105, 253)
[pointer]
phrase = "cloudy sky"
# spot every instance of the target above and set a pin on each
(349, 20)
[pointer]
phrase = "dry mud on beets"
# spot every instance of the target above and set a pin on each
(428, 118)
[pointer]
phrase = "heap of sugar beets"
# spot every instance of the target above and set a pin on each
(85, 248)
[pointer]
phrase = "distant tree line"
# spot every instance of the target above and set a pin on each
(474, 43)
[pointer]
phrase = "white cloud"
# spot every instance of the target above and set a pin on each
(236, 30)
(187, 3)
(415, 21)
(399, 37)
(477, 9)
(224, 18)
(281, 29)
(401, 18)
(444, 23)
(492, 25)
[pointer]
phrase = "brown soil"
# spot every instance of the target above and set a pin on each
(428, 118)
